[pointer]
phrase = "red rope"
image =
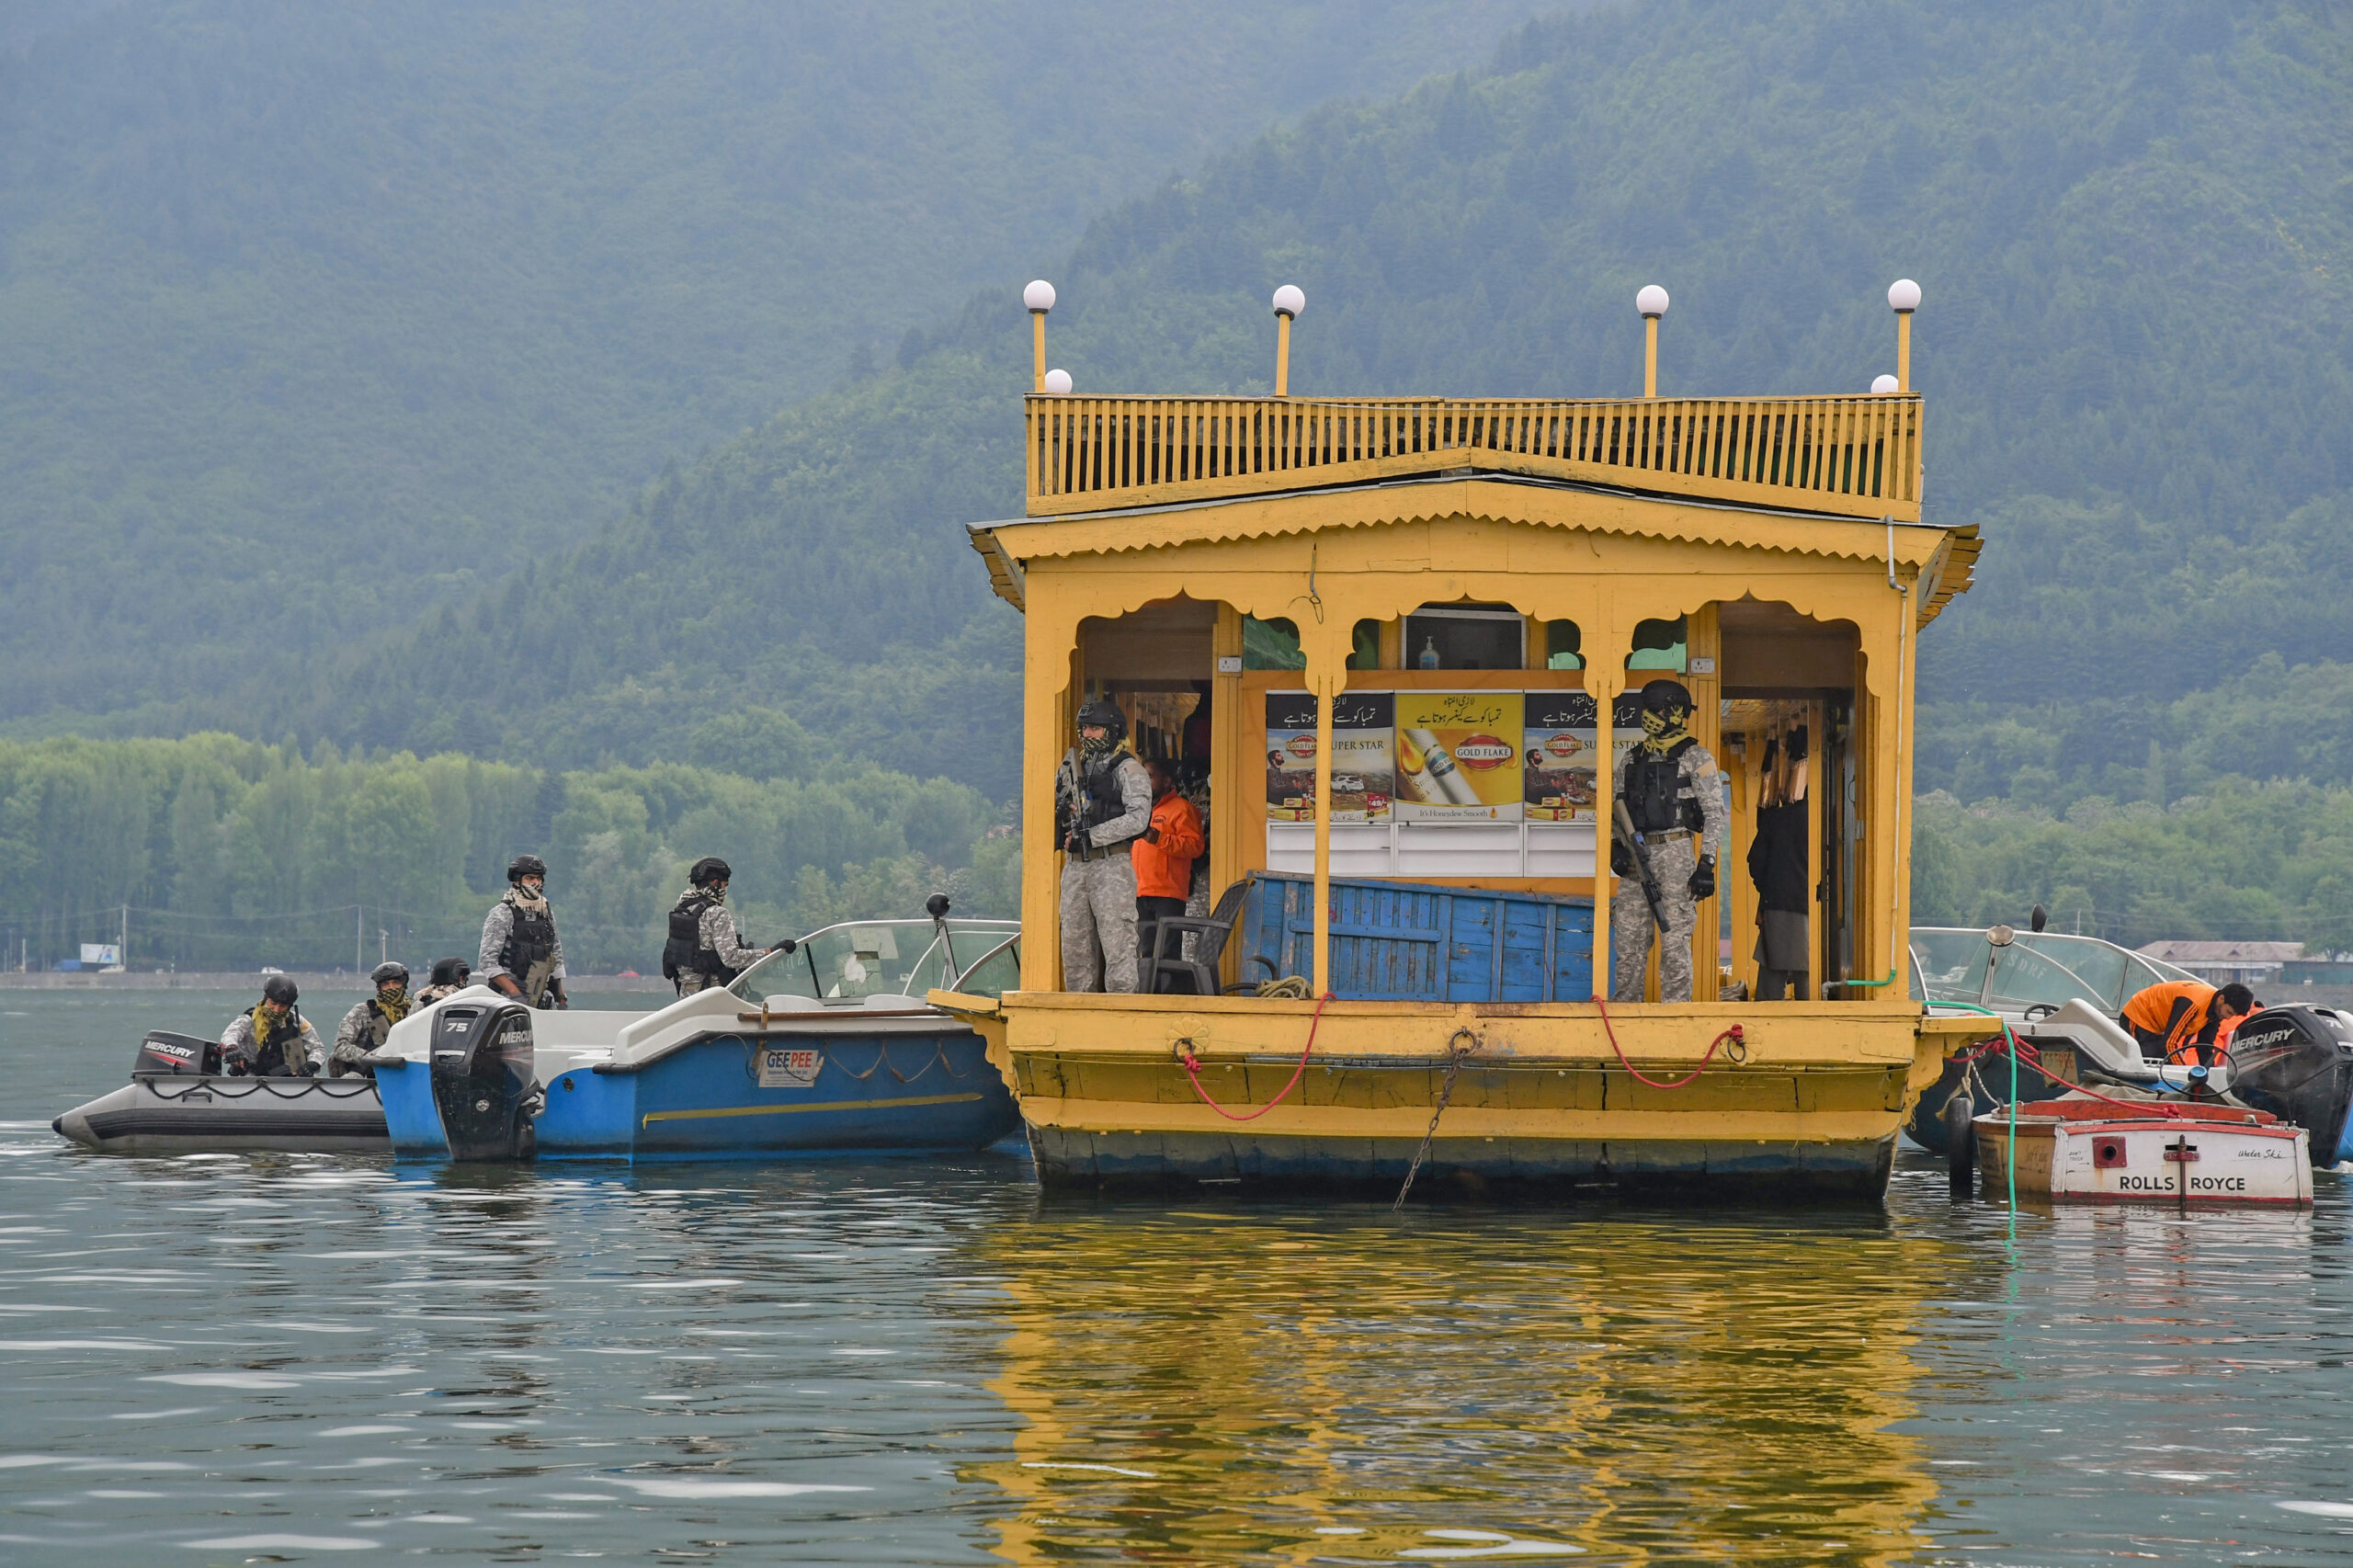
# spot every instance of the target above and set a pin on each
(1193, 1068)
(2029, 1057)
(1733, 1033)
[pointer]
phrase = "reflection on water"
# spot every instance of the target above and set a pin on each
(307, 1358)
(1202, 1386)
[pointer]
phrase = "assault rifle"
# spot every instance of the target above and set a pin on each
(1068, 802)
(1622, 830)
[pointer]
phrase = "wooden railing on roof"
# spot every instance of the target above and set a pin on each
(1859, 456)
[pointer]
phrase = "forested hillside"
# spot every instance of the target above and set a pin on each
(312, 315)
(221, 853)
(2134, 223)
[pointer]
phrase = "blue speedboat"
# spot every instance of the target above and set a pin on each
(829, 1049)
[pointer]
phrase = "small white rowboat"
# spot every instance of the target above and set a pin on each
(2081, 1149)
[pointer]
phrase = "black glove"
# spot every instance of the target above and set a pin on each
(784, 947)
(556, 989)
(1622, 859)
(1703, 877)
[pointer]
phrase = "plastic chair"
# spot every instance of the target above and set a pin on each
(1152, 966)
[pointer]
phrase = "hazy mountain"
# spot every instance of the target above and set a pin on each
(311, 314)
(2135, 225)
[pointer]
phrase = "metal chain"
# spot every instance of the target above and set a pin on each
(1455, 1055)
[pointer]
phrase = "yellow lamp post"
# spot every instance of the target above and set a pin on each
(1652, 303)
(1289, 302)
(1903, 298)
(1039, 299)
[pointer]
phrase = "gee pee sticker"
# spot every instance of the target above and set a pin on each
(788, 1067)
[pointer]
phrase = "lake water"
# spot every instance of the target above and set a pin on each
(314, 1359)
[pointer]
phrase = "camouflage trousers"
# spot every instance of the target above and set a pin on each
(1631, 927)
(1099, 923)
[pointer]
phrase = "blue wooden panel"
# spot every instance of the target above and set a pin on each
(1572, 955)
(1413, 941)
(1470, 950)
(1524, 925)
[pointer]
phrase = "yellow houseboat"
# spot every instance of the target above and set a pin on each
(1493, 580)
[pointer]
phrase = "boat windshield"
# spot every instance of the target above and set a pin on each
(1952, 963)
(2099, 965)
(2027, 977)
(888, 958)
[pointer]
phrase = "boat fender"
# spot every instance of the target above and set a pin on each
(1961, 1142)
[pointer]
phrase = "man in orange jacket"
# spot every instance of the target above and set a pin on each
(2186, 1020)
(1166, 853)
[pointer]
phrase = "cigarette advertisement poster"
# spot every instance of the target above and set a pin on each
(1364, 756)
(1558, 755)
(1458, 755)
(1291, 757)
(1364, 768)
(1625, 729)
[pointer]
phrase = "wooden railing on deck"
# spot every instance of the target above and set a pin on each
(1859, 456)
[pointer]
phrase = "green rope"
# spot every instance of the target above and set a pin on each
(2010, 1149)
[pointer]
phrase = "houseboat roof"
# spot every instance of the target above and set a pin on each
(1298, 497)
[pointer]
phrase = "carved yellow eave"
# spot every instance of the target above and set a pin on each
(1941, 557)
(1950, 572)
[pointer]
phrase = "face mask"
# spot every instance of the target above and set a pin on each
(1097, 745)
(1661, 731)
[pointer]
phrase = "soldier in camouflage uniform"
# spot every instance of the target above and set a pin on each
(1674, 794)
(1102, 804)
(704, 948)
(521, 955)
(368, 1025)
(449, 976)
(272, 1041)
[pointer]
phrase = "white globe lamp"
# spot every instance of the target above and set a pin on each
(1058, 383)
(1289, 302)
(1883, 385)
(1652, 303)
(1903, 298)
(1038, 296)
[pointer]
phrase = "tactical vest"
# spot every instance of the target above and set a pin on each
(529, 940)
(379, 1023)
(1655, 795)
(269, 1051)
(684, 953)
(1103, 800)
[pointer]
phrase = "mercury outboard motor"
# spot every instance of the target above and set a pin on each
(485, 1083)
(164, 1054)
(2297, 1064)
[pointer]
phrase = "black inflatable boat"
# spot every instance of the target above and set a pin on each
(178, 1102)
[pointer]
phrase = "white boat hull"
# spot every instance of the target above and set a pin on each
(2148, 1160)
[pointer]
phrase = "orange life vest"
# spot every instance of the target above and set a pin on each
(2177, 1019)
